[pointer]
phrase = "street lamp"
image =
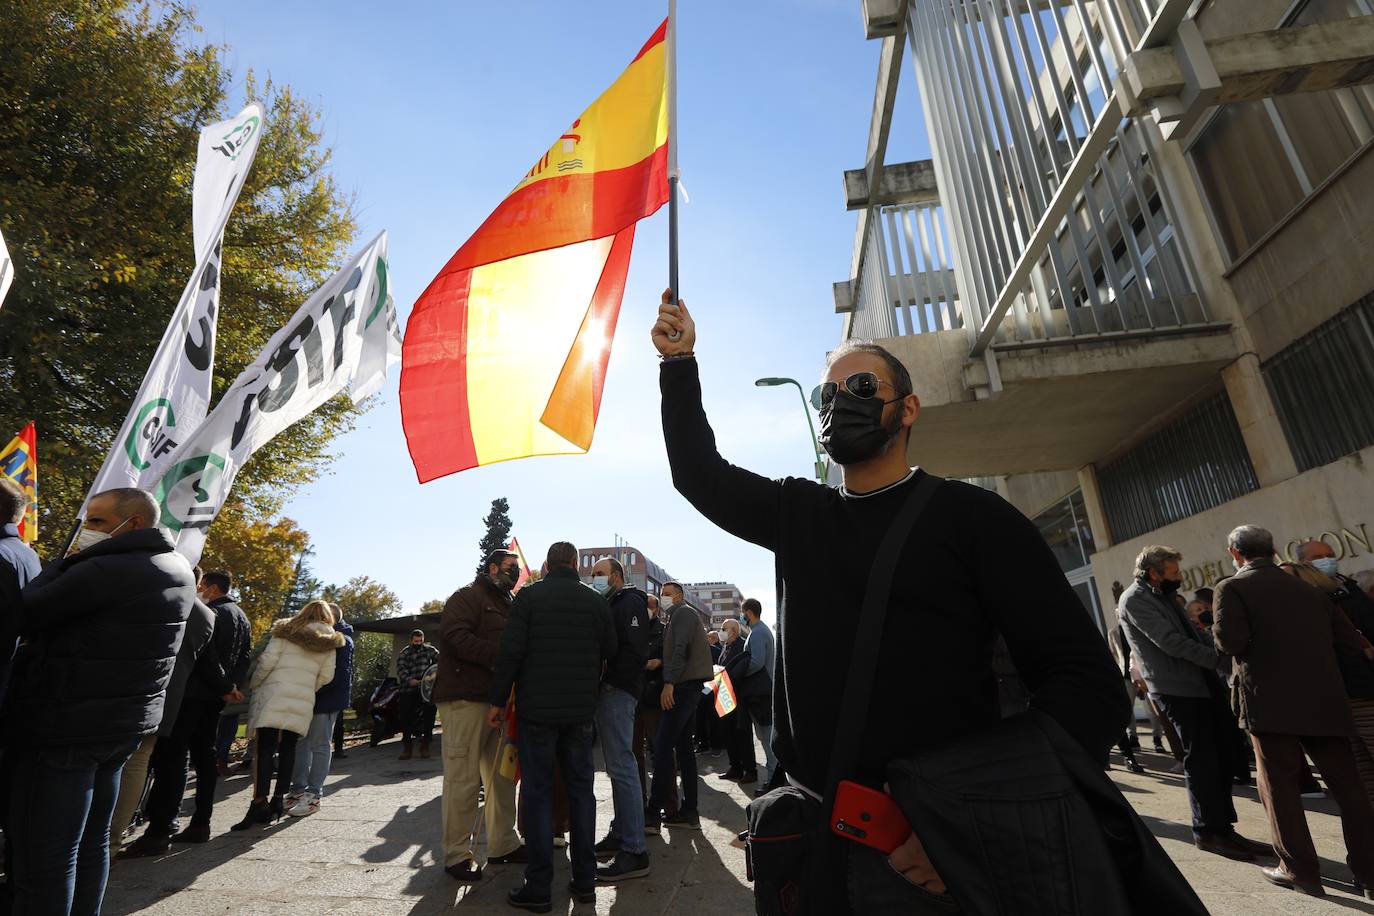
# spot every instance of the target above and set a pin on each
(773, 382)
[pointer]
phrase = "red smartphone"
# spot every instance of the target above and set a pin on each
(869, 817)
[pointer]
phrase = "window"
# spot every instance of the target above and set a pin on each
(1323, 387)
(1195, 463)
(1064, 526)
(1257, 161)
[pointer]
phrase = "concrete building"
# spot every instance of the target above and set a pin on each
(1133, 283)
(639, 569)
(722, 600)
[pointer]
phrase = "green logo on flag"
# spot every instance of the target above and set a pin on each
(234, 141)
(184, 493)
(152, 429)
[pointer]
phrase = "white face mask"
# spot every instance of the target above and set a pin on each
(89, 537)
(602, 584)
(1329, 565)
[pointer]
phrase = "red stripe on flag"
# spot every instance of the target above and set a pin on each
(434, 382)
(659, 36)
(562, 211)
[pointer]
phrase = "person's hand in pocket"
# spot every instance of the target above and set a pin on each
(912, 863)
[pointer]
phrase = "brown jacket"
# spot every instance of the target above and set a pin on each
(470, 631)
(1283, 634)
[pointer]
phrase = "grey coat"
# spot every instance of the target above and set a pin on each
(1172, 655)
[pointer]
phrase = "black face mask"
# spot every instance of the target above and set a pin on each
(852, 429)
(1169, 586)
(511, 576)
(1205, 618)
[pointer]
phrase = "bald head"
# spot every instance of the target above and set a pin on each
(122, 510)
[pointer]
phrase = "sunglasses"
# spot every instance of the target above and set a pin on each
(863, 385)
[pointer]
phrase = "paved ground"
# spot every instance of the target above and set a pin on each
(372, 850)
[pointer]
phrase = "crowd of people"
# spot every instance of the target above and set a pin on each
(1273, 664)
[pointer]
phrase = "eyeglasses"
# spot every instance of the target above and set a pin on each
(863, 385)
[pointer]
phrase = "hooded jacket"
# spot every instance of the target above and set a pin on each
(338, 693)
(102, 630)
(293, 667)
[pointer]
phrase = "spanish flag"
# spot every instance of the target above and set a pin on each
(505, 352)
(19, 462)
(524, 566)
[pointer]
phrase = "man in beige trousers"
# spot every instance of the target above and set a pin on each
(469, 638)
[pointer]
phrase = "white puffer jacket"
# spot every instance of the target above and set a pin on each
(292, 667)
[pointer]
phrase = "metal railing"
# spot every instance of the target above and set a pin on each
(1057, 228)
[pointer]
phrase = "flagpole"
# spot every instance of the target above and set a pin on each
(674, 173)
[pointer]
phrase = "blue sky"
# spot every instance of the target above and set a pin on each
(435, 110)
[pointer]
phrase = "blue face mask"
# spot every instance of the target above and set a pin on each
(1329, 565)
(602, 584)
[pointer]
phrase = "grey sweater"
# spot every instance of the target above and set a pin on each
(686, 654)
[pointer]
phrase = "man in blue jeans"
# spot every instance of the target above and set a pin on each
(686, 666)
(615, 722)
(557, 635)
(101, 631)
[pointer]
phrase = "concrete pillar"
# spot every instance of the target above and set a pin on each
(1269, 451)
(1092, 501)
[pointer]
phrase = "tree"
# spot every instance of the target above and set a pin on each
(262, 556)
(434, 606)
(363, 598)
(101, 105)
(498, 528)
(304, 586)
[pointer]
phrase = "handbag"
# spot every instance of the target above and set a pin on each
(791, 853)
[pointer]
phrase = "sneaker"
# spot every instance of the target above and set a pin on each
(627, 865)
(608, 847)
(1134, 766)
(466, 872)
(582, 894)
(517, 856)
(291, 798)
(734, 773)
(688, 820)
(525, 899)
(306, 805)
(1159, 747)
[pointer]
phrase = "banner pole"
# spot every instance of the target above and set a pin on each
(674, 173)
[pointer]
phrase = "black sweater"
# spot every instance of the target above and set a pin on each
(974, 567)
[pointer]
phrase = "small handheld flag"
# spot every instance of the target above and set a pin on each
(725, 695)
(19, 462)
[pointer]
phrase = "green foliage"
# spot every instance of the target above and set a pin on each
(363, 599)
(371, 664)
(432, 607)
(498, 528)
(304, 586)
(263, 558)
(101, 104)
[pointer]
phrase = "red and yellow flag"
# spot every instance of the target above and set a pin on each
(505, 352)
(19, 462)
(524, 566)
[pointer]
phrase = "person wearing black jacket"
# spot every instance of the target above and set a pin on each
(974, 567)
(615, 722)
(101, 632)
(557, 635)
(739, 736)
(215, 681)
(650, 710)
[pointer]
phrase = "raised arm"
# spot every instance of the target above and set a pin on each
(742, 502)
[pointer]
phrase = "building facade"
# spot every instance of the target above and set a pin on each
(640, 571)
(722, 600)
(1132, 283)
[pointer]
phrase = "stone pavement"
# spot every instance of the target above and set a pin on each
(373, 848)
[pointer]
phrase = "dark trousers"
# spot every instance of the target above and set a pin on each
(1202, 726)
(739, 739)
(571, 746)
(646, 728)
(225, 733)
(61, 801)
(675, 737)
(193, 735)
(710, 733)
(339, 732)
(282, 743)
(417, 717)
(1279, 760)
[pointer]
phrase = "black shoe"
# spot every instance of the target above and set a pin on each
(582, 894)
(196, 833)
(749, 778)
(1160, 748)
(687, 820)
(341, 755)
(761, 791)
(1225, 847)
(1134, 766)
(652, 825)
(467, 872)
(608, 847)
(523, 899)
(150, 844)
(734, 773)
(627, 865)
(259, 812)
(1135, 741)
(1254, 847)
(518, 856)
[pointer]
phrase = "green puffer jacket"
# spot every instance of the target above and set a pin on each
(557, 635)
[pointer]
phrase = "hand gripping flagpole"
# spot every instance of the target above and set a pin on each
(674, 173)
